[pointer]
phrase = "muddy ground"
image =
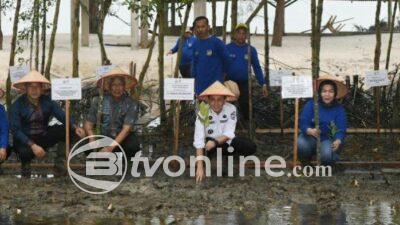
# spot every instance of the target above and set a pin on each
(161, 196)
(182, 197)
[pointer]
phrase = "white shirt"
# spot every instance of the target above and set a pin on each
(222, 124)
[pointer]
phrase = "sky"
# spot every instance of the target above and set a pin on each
(298, 17)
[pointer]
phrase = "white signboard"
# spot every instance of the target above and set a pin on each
(66, 89)
(275, 77)
(179, 89)
(376, 78)
(17, 72)
(102, 70)
(297, 87)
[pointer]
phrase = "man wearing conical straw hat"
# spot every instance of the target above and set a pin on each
(215, 127)
(30, 117)
(119, 111)
(332, 122)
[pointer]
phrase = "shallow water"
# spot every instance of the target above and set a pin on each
(297, 214)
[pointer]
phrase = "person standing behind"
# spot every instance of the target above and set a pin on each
(187, 53)
(210, 57)
(238, 68)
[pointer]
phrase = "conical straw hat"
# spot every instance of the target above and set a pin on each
(234, 88)
(32, 77)
(130, 82)
(217, 89)
(340, 84)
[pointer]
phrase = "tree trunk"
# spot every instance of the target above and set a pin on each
(12, 52)
(234, 16)
(161, 13)
(279, 23)
(93, 12)
(390, 12)
(214, 16)
(225, 20)
(104, 8)
(144, 26)
(1, 30)
(316, 13)
(392, 24)
(173, 9)
(75, 39)
(148, 59)
(37, 32)
(377, 90)
(52, 40)
(44, 26)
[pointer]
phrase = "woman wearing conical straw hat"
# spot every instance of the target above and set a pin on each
(215, 127)
(332, 122)
(119, 112)
(29, 119)
(4, 128)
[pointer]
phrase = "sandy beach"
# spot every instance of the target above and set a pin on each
(347, 55)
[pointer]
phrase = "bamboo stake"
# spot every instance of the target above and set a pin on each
(177, 104)
(44, 27)
(377, 90)
(225, 20)
(251, 131)
(37, 25)
(214, 16)
(296, 130)
(316, 14)
(67, 128)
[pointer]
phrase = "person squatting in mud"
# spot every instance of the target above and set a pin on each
(118, 114)
(29, 119)
(215, 127)
(332, 122)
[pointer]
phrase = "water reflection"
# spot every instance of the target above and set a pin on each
(297, 214)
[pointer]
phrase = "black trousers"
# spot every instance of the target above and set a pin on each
(186, 71)
(244, 99)
(242, 147)
(131, 145)
(53, 135)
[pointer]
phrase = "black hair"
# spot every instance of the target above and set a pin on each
(328, 82)
(200, 18)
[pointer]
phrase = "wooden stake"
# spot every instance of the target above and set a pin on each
(67, 126)
(281, 114)
(296, 130)
(251, 131)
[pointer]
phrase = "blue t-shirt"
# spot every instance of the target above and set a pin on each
(210, 61)
(334, 114)
(4, 126)
(187, 53)
(238, 68)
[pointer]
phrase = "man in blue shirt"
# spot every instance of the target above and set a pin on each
(29, 120)
(238, 68)
(4, 153)
(210, 57)
(187, 53)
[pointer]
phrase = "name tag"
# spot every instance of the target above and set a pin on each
(246, 57)
(209, 52)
